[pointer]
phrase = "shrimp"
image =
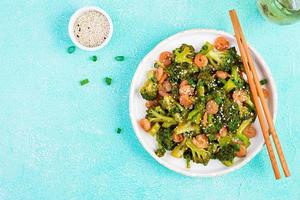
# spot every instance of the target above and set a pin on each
(250, 131)
(186, 90)
(212, 107)
(242, 152)
(221, 43)
(266, 93)
(201, 141)
(185, 100)
(167, 86)
(145, 124)
(200, 60)
(165, 58)
(224, 131)
(159, 73)
(177, 137)
(239, 96)
(162, 91)
(150, 104)
(222, 74)
(183, 83)
(163, 78)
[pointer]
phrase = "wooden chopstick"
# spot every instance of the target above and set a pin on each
(262, 97)
(253, 90)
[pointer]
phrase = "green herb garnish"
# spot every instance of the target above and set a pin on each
(119, 130)
(218, 100)
(263, 81)
(94, 58)
(108, 80)
(119, 58)
(84, 82)
(71, 49)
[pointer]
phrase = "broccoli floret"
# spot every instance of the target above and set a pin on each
(199, 155)
(235, 81)
(193, 79)
(164, 139)
(160, 152)
(153, 115)
(235, 74)
(171, 105)
(187, 128)
(183, 71)
(245, 112)
(218, 123)
(223, 60)
(205, 78)
(226, 154)
(158, 64)
(229, 85)
(196, 114)
(175, 91)
(150, 88)
(243, 125)
(244, 139)
(184, 54)
(249, 103)
(218, 95)
(179, 150)
(211, 138)
(223, 141)
(206, 48)
(159, 110)
(239, 133)
(214, 124)
(212, 148)
(174, 108)
(155, 128)
(230, 115)
(188, 156)
(200, 89)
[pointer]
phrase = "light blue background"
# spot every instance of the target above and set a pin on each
(58, 139)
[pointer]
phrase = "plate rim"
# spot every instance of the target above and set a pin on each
(271, 84)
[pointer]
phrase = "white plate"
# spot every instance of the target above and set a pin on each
(137, 109)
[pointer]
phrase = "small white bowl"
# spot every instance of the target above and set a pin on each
(79, 13)
(137, 109)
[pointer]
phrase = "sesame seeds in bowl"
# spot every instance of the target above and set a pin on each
(90, 28)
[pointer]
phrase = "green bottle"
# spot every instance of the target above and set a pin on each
(280, 11)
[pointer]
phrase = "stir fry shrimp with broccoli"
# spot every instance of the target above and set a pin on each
(199, 105)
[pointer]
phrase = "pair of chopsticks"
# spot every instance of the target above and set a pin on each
(260, 102)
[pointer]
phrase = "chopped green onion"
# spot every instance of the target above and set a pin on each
(119, 130)
(84, 82)
(192, 82)
(119, 58)
(108, 80)
(71, 49)
(263, 81)
(94, 58)
(218, 100)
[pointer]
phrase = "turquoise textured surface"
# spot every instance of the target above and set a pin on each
(58, 139)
